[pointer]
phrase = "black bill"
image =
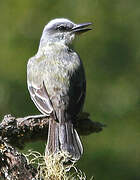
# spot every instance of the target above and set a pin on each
(81, 28)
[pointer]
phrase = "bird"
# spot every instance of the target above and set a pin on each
(57, 85)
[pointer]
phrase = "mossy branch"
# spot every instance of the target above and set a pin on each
(18, 131)
(15, 132)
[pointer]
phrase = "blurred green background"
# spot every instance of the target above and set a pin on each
(111, 56)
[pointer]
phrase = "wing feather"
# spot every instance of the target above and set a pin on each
(41, 99)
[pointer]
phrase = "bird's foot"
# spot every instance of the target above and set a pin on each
(36, 116)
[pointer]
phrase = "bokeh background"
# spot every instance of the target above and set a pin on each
(111, 56)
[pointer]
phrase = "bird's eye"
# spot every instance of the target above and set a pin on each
(62, 28)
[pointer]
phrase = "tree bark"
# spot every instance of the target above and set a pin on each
(14, 165)
(15, 132)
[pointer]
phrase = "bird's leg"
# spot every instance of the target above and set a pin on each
(36, 116)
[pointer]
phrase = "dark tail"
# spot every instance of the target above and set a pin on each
(62, 137)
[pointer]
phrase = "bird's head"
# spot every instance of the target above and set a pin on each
(62, 30)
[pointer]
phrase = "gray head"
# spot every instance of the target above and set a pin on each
(62, 30)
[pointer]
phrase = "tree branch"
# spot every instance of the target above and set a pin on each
(14, 165)
(18, 131)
